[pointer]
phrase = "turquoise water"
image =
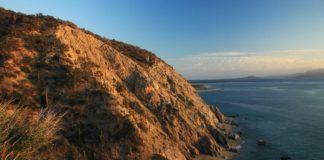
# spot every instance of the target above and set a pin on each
(288, 114)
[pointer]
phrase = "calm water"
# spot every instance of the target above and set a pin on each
(288, 114)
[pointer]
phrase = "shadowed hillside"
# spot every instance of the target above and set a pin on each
(122, 102)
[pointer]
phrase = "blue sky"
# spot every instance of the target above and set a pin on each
(196, 36)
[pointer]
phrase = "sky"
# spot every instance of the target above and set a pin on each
(204, 39)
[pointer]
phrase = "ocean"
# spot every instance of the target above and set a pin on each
(288, 114)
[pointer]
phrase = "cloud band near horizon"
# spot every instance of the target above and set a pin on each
(239, 64)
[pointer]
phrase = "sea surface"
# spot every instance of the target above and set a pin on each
(288, 114)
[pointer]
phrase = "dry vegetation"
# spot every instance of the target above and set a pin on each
(22, 135)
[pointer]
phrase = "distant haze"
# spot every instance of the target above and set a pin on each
(240, 64)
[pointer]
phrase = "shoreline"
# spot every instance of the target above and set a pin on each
(228, 126)
(234, 141)
(205, 88)
(209, 90)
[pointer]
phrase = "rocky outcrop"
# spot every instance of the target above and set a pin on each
(123, 102)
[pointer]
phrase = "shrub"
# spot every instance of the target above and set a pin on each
(21, 136)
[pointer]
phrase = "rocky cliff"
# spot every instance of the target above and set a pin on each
(122, 102)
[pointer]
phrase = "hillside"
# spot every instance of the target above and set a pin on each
(121, 101)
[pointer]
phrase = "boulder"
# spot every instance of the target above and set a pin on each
(220, 116)
(219, 137)
(285, 157)
(262, 142)
(234, 136)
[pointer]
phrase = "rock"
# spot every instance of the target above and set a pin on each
(233, 116)
(206, 146)
(233, 149)
(158, 157)
(285, 157)
(220, 138)
(234, 136)
(233, 122)
(218, 114)
(262, 142)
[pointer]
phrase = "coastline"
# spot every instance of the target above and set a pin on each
(233, 140)
(205, 88)
(227, 125)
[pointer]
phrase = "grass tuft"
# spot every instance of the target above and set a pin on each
(22, 134)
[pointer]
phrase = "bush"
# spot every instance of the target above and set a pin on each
(21, 136)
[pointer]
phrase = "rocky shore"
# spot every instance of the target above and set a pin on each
(230, 137)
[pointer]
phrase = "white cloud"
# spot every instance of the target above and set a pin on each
(237, 64)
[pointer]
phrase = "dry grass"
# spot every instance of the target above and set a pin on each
(22, 135)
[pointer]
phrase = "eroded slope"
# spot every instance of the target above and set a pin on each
(122, 101)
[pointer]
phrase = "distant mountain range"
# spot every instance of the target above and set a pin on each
(318, 73)
(247, 78)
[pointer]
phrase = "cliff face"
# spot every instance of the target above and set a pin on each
(122, 101)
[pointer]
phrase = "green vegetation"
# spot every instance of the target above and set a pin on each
(21, 135)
